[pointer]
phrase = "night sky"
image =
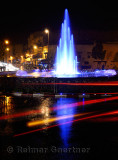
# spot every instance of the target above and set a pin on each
(18, 19)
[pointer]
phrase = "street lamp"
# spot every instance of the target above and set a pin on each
(7, 50)
(35, 47)
(47, 32)
(6, 42)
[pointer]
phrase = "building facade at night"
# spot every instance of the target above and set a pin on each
(36, 49)
(83, 52)
(85, 59)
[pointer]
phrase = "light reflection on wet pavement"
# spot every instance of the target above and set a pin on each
(79, 127)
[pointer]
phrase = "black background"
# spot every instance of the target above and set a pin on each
(18, 19)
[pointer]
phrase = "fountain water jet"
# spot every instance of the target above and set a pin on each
(66, 61)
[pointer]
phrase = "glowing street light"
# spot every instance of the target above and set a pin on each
(35, 47)
(7, 49)
(6, 42)
(47, 32)
(7, 53)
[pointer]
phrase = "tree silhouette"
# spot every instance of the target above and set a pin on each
(98, 52)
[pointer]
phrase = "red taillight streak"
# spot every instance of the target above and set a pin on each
(85, 103)
(19, 114)
(110, 83)
(80, 119)
(59, 107)
(105, 119)
(104, 93)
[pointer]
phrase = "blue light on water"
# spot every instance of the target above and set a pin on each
(65, 130)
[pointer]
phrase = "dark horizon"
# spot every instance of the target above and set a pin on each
(19, 20)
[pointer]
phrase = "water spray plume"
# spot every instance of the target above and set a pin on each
(66, 61)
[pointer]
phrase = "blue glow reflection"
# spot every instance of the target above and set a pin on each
(65, 129)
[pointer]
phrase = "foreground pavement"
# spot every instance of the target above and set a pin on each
(58, 128)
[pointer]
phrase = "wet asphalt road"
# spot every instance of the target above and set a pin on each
(58, 128)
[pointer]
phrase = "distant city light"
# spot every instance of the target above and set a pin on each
(46, 31)
(6, 42)
(7, 49)
(35, 47)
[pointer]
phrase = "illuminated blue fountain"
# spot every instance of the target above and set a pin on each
(66, 61)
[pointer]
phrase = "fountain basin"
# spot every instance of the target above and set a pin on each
(53, 85)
